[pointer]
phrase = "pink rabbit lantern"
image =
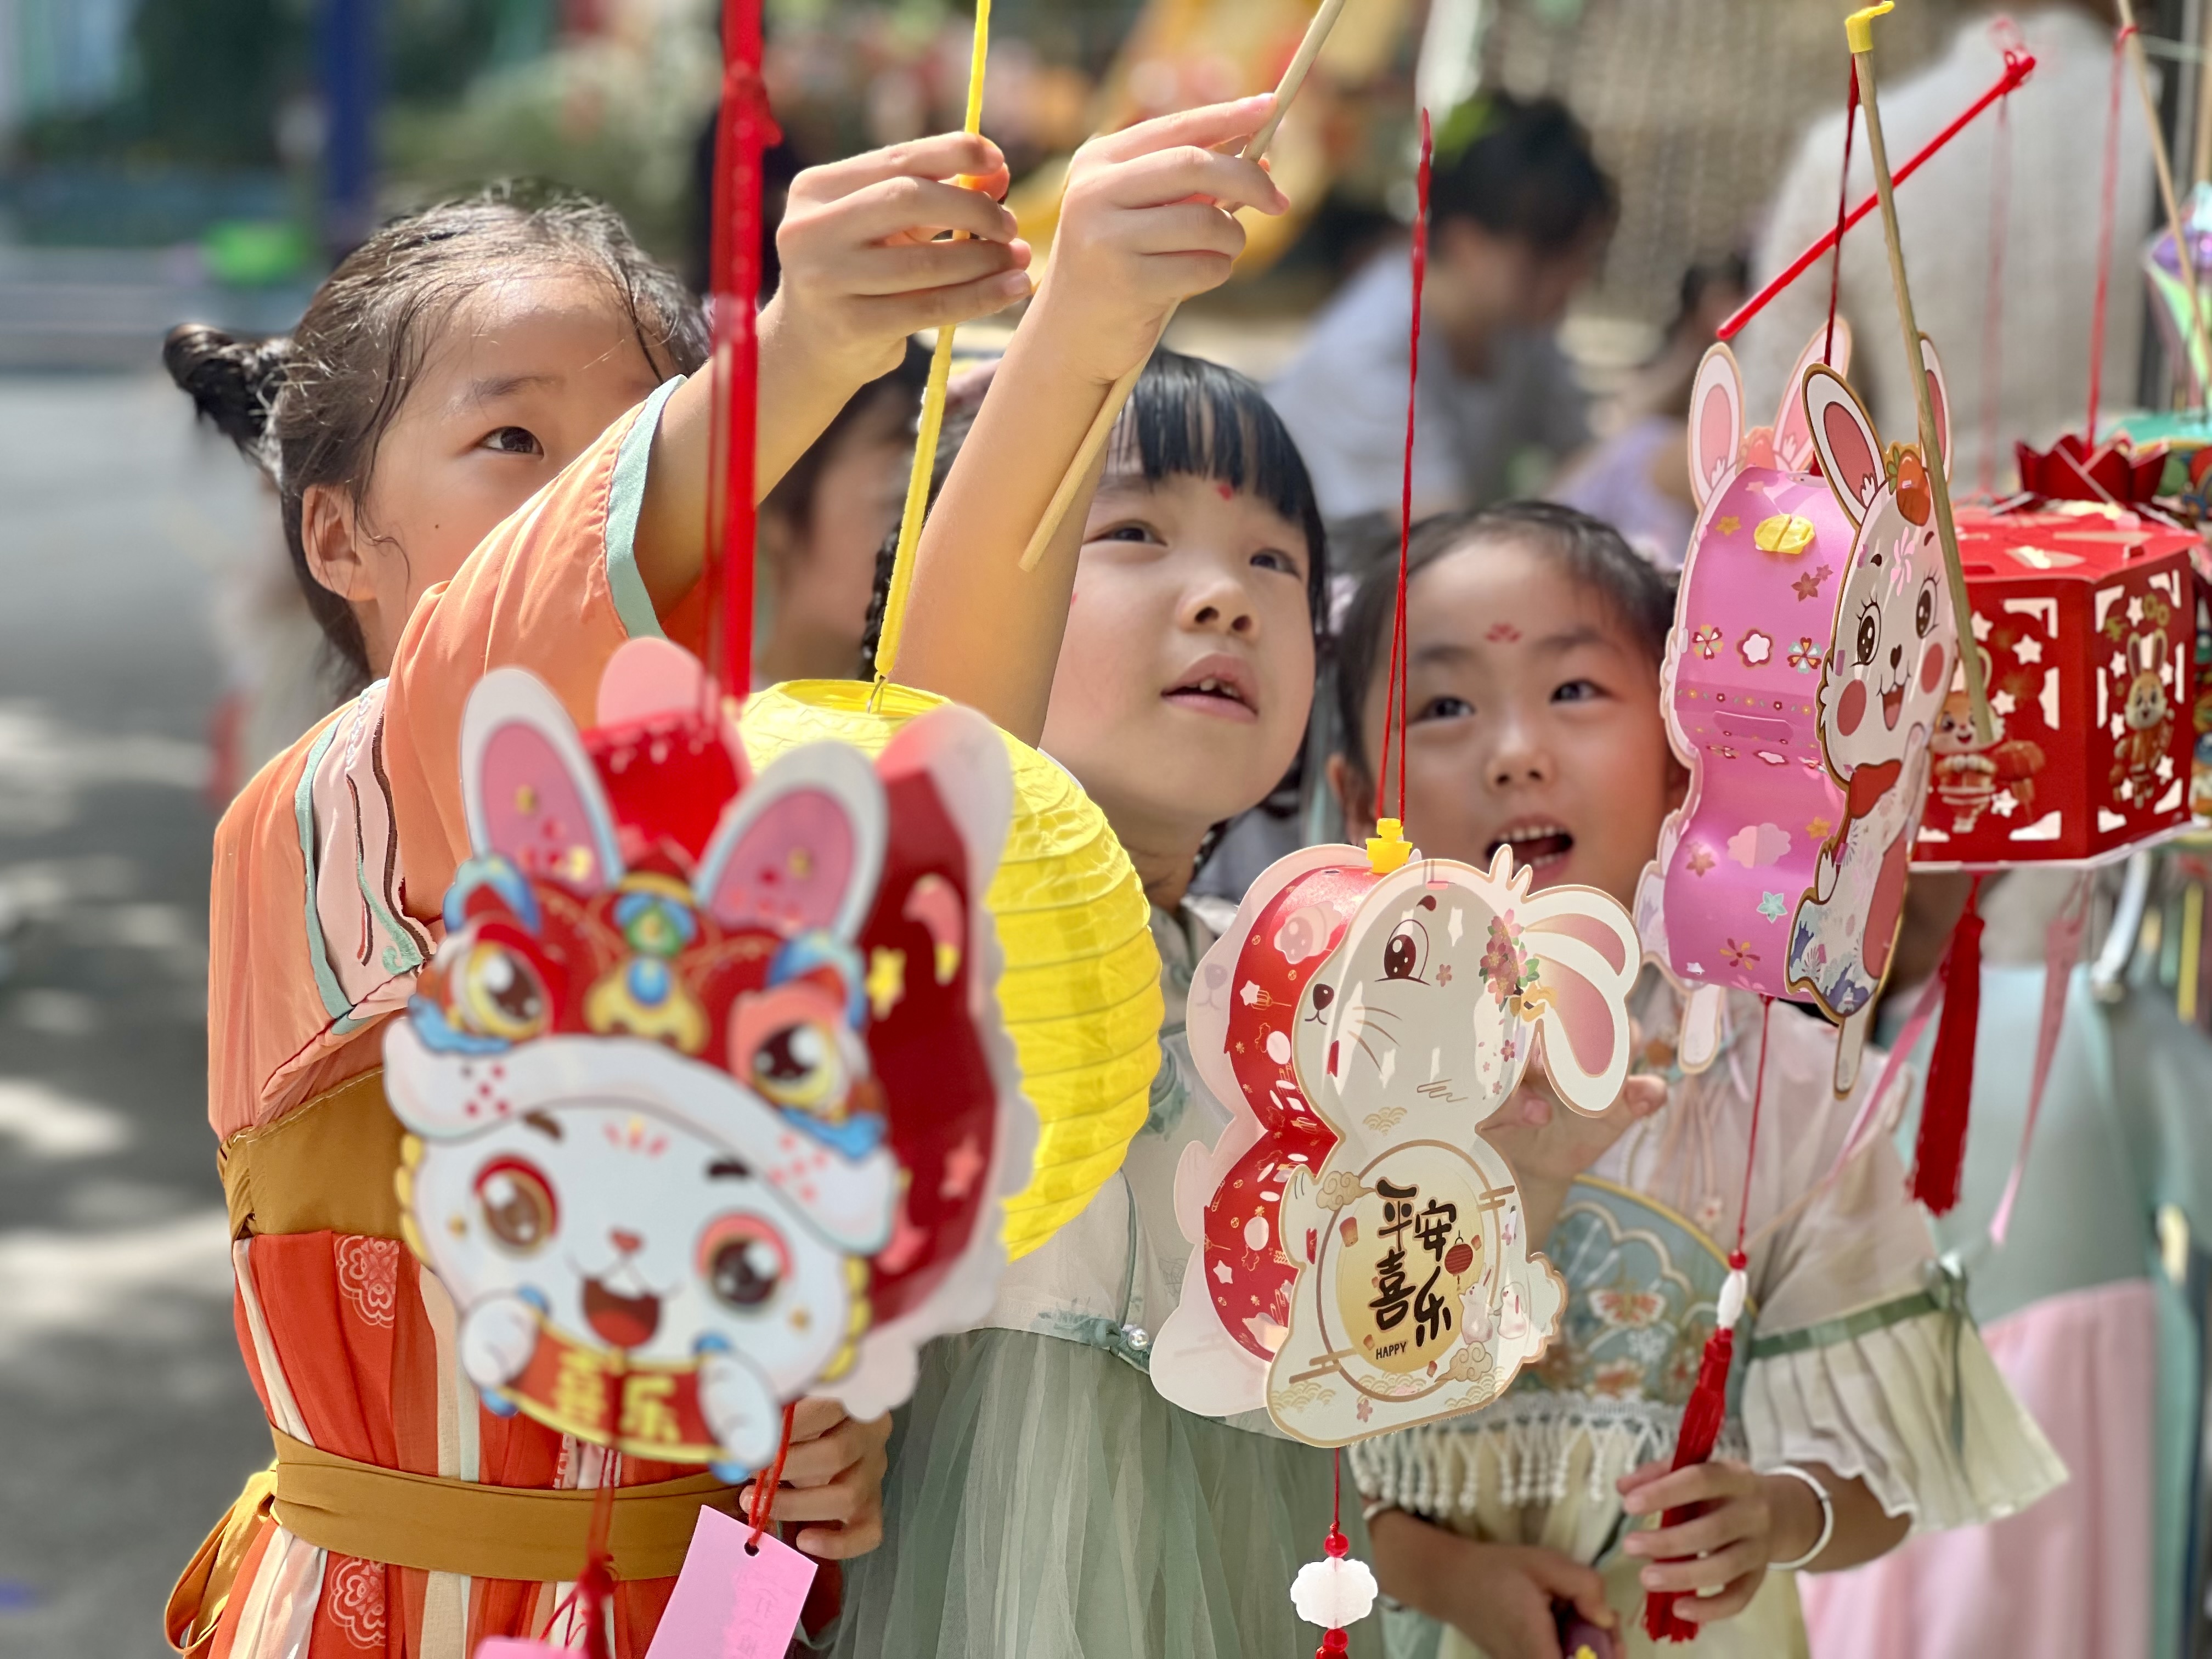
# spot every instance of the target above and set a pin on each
(1781, 872)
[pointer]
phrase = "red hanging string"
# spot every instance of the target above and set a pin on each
(1335, 1642)
(762, 1509)
(2110, 194)
(1843, 201)
(1706, 1409)
(2017, 69)
(594, 1587)
(743, 129)
(1396, 692)
(1993, 309)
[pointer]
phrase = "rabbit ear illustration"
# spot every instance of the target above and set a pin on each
(1793, 436)
(801, 849)
(2148, 651)
(1939, 395)
(1843, 437)
(1716, 422)
(1589, 956)
(528, 788)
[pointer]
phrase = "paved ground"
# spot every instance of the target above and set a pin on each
(125, 1417)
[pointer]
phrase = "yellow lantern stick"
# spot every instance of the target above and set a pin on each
(933, 405)
(1294, 76)
(1858, 29)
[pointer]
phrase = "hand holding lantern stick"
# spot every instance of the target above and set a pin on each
(1071, 484)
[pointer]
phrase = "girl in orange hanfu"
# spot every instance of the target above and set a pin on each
(487, 455)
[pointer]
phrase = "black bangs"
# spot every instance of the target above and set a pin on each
(1191, 417)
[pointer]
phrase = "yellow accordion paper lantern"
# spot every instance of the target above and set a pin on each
(1080, 988)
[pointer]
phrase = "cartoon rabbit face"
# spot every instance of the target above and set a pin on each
(1427, 1011)
(1885, 677)
(1954, 728)
(616, 1220)
(2146, 705)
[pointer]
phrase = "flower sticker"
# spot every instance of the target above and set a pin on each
(1771, 905)
(1739, 953)
(1808, 586)
(1707, 641)
(1754, 648)
(1805, 656)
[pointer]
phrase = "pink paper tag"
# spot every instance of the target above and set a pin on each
(730, 1605)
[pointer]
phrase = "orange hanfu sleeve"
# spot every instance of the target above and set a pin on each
(330, 867)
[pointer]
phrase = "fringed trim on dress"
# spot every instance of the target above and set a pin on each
(1528, 1448)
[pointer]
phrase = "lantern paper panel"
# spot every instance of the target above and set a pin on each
(1812, 644)
(708, 1102)
(2085, 615)
(1361, 1262)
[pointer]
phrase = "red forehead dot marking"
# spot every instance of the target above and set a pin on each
(1225, 491)
(1503, 632)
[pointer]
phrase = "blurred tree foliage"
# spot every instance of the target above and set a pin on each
(209, 79)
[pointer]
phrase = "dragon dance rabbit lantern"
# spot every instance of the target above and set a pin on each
(1805, 677)
(708, 1102)
(1360, 1262)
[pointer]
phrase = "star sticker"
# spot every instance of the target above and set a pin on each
(962, 1165)
(1809, 585)
(2004, 803)
(1771, 905)
(908, 1242)
(1701, 859)
(886, 980)
(2119, 670)
(1981, 626)
(2027, 650)
(1221, 1271)
(2134, 608)
(1817, 828)
(2004, 702)
(1249, 993)
(2118, 727)
(1731, 524)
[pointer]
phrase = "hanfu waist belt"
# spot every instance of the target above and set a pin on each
(535, 1534)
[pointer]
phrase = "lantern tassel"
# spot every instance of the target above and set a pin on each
(1700, 1432)
(1940, 1153)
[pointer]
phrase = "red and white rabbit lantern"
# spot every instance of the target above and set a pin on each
(1812, 648)
(1361, 1263)
(708, 1103)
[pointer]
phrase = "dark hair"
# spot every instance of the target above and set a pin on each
(1594, 556)
(793, 498)
(1186, 416)
(311, 408)
(1522, 170)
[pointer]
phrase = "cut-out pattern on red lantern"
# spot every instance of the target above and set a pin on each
(2085, 617)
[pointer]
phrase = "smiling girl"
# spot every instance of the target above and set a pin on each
(487, 455)
(1866, 1410)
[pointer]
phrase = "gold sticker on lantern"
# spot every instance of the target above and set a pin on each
(1785, 533)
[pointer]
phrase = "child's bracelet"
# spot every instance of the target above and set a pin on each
(1827, 1518)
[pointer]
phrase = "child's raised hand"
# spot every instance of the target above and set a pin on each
(1548, 1144)
(832, 1481)
(1148, 220)
(863, 263)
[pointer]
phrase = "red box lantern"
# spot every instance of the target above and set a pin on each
(2085, 615)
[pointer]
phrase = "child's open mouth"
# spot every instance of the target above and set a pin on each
(1535, 845)
(1219, 686)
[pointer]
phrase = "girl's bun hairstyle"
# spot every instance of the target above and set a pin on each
(232, 382)
(310, 408)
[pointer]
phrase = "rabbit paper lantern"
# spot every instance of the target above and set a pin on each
(708, 1103)
(2085, 617)
(1080, 988)
(1360, 1262)
(1812, 648)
